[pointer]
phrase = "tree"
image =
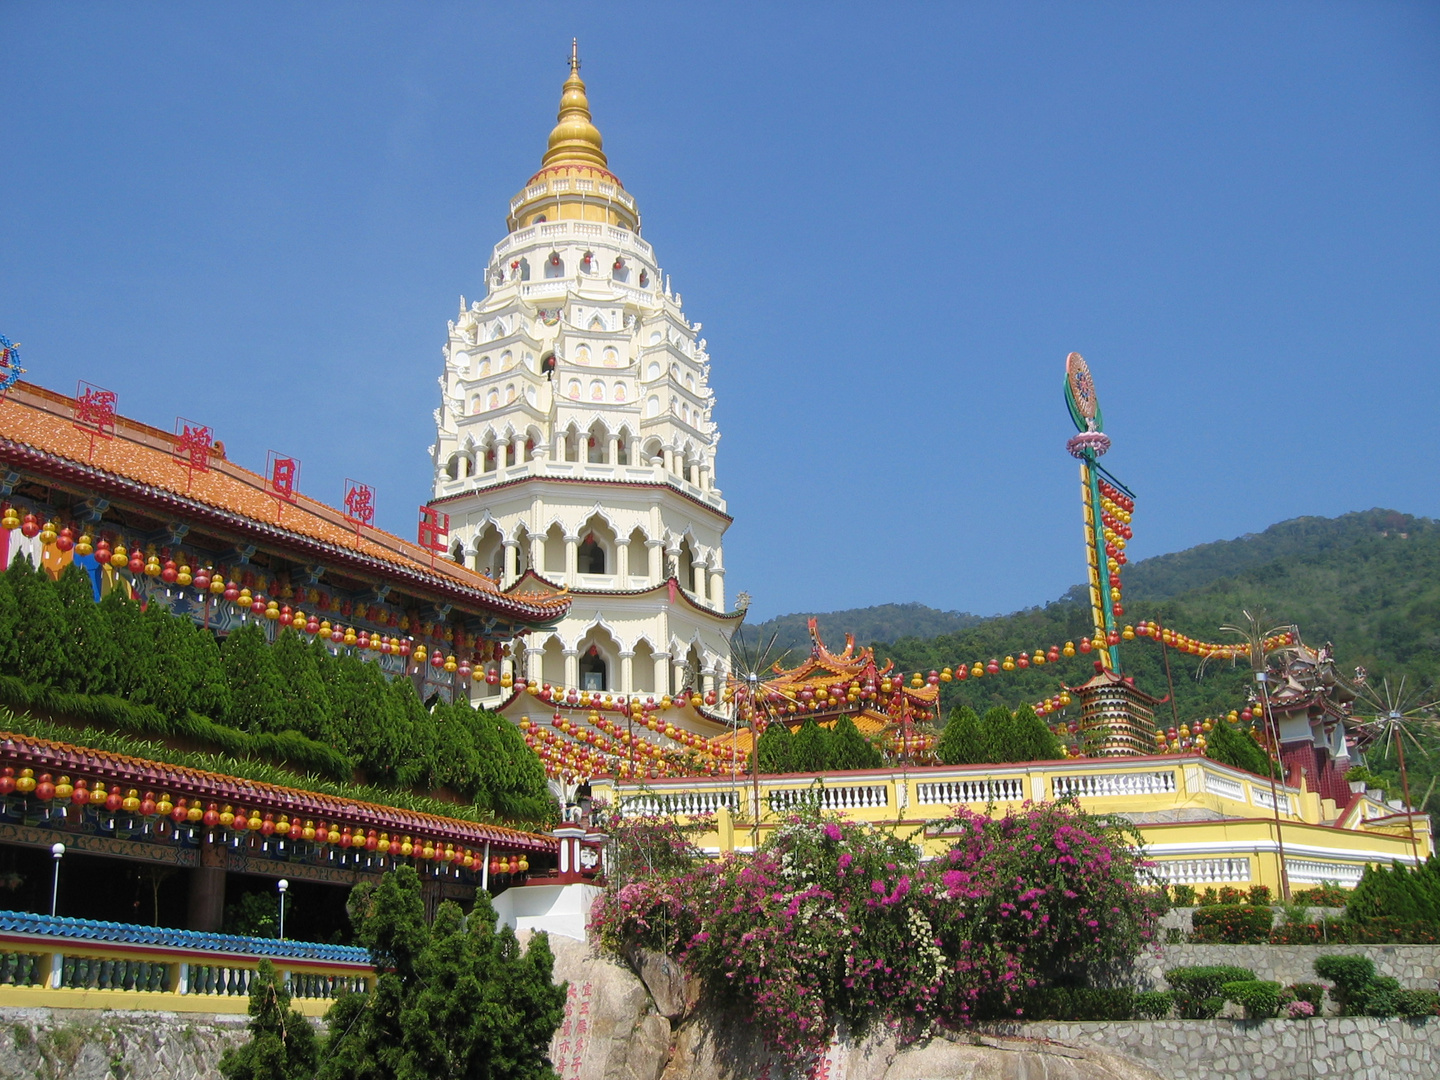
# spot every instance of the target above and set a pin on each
(849, 749)
(304, 704)
(254, 681)
(458, 999)
(962, 742)
(210, 692)
(998, 727)
(773, 753)
(810, 750)
(39, 624)
(127, 628)
(89, 658)
(1228, 746)
(282, 1042)
(1032, 739)
(9, 616)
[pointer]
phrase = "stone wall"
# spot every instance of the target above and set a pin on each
(81, 1044)
(1355, 1048)
(1416, 966)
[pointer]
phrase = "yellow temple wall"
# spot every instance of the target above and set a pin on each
(1202, 822)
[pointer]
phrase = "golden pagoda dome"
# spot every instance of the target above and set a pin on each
(575, 139)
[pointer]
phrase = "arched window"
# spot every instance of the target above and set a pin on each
(554, 265)
(620, 392)
(492, 399)
(653, 371)
(458, 552)
(572, 391)
(593, 673)
(652, 406)
(452, 467)
(597, 391)
(484, 366)
(509, 393)
(591, 556)
(610, 357)
(547, 364)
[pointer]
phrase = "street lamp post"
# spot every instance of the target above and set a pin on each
(1273, 732)
(57, 851)
(282, 885)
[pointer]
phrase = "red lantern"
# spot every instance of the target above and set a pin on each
(137, 563)
(147, 804)
(113, 801)
(180, 812)
(170, 573)
(66, 540)
(211, 817)
(30, 527)
(80, 796)
(45, 789)
(7, 781)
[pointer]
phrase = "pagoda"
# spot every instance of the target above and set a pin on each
(576, 445)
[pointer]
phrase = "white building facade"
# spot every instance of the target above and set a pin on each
(575, 439)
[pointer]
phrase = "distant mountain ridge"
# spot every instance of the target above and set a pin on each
(1158, 578)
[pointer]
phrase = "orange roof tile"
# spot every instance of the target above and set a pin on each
(34, 417)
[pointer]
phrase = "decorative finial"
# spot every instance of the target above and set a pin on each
(575, 138)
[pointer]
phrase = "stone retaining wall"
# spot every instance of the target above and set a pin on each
(85, 1044)
(1416, 966)
(1352, 1048)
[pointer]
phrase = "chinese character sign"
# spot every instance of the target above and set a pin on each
(94, 410)
(193, 444)
(434, 529)
(359, 502)
(284, 473)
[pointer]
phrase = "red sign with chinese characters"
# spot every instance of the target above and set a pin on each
(193, 444)
(359, 503)
(434, 529)
(284, 476)
(94, 410)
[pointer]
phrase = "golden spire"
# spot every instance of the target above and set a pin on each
(574, 139)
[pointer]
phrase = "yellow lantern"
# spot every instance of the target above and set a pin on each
(1068, 650)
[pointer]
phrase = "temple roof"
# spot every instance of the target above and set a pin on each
(38, 434)
(180, 781)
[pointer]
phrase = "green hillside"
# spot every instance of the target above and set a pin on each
(1368, 582)
(884, 622)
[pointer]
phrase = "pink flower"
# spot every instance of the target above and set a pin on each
(832, 831)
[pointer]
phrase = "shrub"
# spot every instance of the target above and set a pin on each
(962, 741)
(1300, 1010)
(1350, 974)
(1259, 894)
(1231, 924)
(1207, 898)
(1397, 893)
(1197, 989)
(1327, 894)
(1379, 997)
(1260, 998)
(1154, 1004)
(1314, 993)
(1417, 1003)
(1230, 895)
(1183, 895)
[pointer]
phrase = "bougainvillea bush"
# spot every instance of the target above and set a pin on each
(835, 921)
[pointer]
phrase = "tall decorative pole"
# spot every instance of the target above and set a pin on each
(1088, 447)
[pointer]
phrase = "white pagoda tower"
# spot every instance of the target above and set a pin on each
(575, 442)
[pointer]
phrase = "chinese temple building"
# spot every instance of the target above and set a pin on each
(826, 686)
(167, 519)
(1116, 717)
(576, 444)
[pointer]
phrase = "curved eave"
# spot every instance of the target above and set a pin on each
(56, 757)
(729, 616)
(88, 477)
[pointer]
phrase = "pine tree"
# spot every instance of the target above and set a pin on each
(511, 774)
(304, 704)
(282, 1043)
(1033, 739)
(1228, 746)
(89, 658)
(998, 725)
(40, 628)
(810, 751)
(962, 742)
(773, 749)
(253, 679)
(126, 626)
(9, 616)
(849, 749)
(210, 693)
(166, 677)
(458, 999)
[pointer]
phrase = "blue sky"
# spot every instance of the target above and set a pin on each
(893, 220)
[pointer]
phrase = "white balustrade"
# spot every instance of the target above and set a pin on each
(856, 797)
(678, 804)
(954, 792)
(1263, 799)
(1109, 785)
(1310, 872)
(1225, 786)
(542, 289)
(1202, 871)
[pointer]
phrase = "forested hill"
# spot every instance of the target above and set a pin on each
(1369, 582)
(885, 622)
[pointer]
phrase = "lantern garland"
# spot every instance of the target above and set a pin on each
(183, 819)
